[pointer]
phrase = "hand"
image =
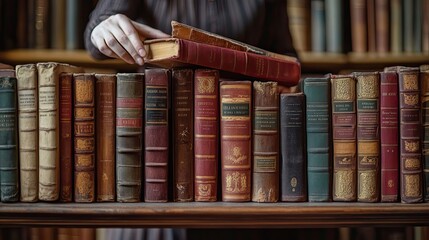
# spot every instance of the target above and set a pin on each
(120, 37)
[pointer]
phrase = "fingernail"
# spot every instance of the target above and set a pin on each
(142, 53)
(140, 61)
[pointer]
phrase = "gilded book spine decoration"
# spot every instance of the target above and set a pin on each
(424, 80)
(84, 137)
(235, 132)
(368, 137)
(265, 142)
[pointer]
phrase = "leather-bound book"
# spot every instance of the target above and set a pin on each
(157, 105)
(424, 86)
(389, 136)
(206, 132)
(344, 137)
(358, 25)
(105, 98)
(49, 132)
(236, 135)
(9, 177)
(319, 152)
(66, 137)
(265, 181)
(183, 129)
(368, 136)
(129, 136)
(293, 147)
(410, 138)
(396, 24)
(382, 25)
(371, 23)
(28, 136)
(84, 137)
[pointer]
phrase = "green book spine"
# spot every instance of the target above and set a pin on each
(8, 141)
(319, 165)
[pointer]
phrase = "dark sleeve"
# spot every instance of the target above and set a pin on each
(103, 10)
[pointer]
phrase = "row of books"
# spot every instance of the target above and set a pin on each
(70, 147)
(375, 26)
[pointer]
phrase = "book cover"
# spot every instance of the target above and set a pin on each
(28, 132)
(105, 98)
(156, 154)
(206, 134)
(293, 147)
(344, 137)
(183, 134)
(171, 52)
(265, 180)
(235, 139)
(129, 136)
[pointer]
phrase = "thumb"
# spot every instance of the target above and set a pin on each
(148, 32)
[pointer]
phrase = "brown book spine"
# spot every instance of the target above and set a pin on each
(84, 137)
(206, 129)
(344, 137)
(41, 24)
(410, 140)
(382, 25)
(105, 97)
(424, 83)
(265, 179)
(236, 144)
(358, 25)
(372, 32)
(157, 104)
(368, 137)
(425, 28)
(183, 129)
(66, 137)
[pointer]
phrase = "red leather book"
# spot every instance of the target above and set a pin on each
(157, 88)
(66, 137)
(236, 135)
(206, 132)
(170, 52)
(389, 132)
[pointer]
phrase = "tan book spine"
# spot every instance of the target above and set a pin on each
(49, 134)
(28, 135)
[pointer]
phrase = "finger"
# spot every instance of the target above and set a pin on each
(148, 32)
(101, 45)
(114, 45)
(130, 31)
(127, 45)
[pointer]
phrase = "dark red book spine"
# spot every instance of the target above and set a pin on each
(389, 136)
(206, 130)
(157, 104)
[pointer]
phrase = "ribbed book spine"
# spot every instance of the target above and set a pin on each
(389, 136)
(206, 132)
(368, 136)
(344, 137)
(28, 136)
(84, 137)
(424, 83)
(293, 147)
(318, 124)
(157, 105)
(183, 129)
(265, 181)
(129, 136)
(9, 177)
(410, 139)
(105, 98)
(236, 144)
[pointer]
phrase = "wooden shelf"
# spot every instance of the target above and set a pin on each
(214, 215)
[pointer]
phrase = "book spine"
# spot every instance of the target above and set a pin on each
(318, 34)
(318, 125)
(418, 25)
(424, 83)
(183, 129)
(66, 137)
(9, 177)
(293, 147)
(41, 24)
(206, 132)
(371, 21)
(334, 27)
(358, 25)
(105, 97)
(58, 23)
(157, 105)
(396, 17)
(410, 140)
(368, 136)
(389, 136)
(408, 33)
(235, 132)
(84, 137)
(129, 136)
(344, 137)
(425, 30)
(28, 136)
(265, 181)
(382, 25)
(299, 23)
(72, 24)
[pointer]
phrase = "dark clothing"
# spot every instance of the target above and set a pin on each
(261, 23)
